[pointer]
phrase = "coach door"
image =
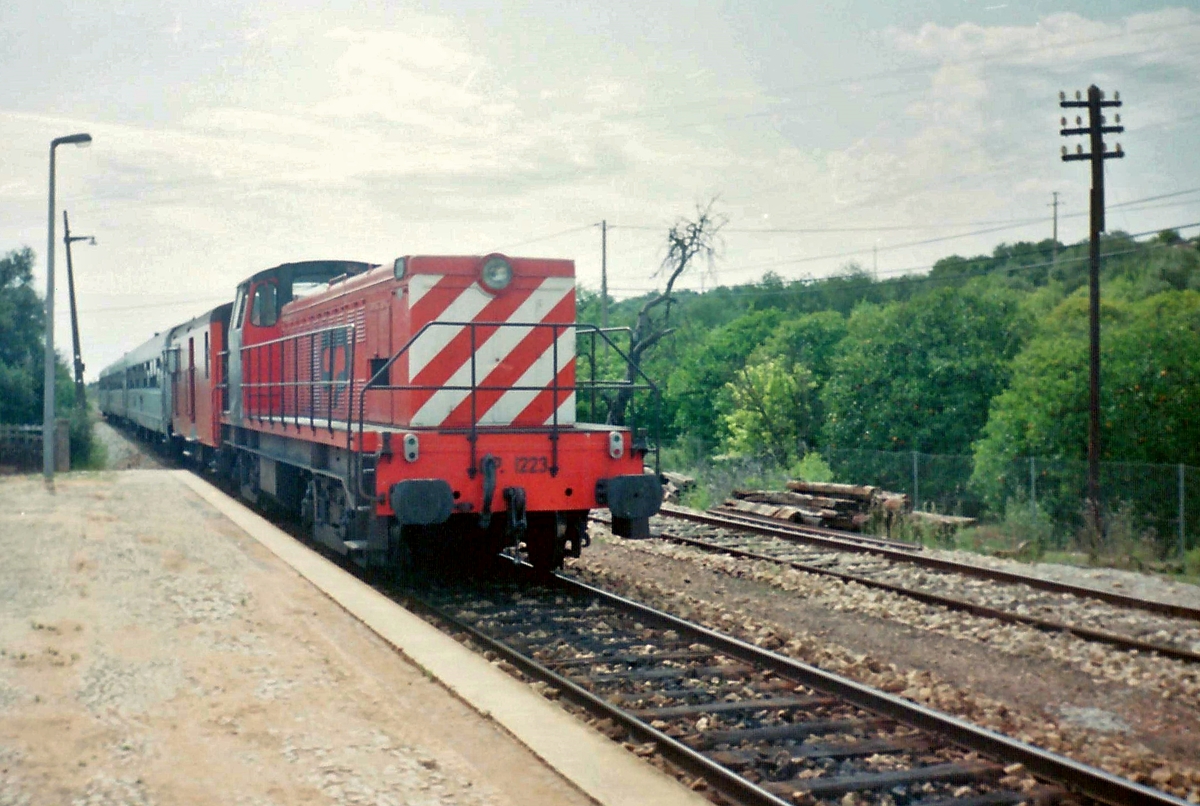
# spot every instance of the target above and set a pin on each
(233, 367)
(192, 382)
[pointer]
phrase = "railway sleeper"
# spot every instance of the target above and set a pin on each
(953, 773)
(693, 695)
(666, 673)
(791, 730)
(737, 706)
(797, 754)
(627, 659)
(1041, 796)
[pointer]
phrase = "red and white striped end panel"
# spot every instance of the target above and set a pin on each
(505, 357)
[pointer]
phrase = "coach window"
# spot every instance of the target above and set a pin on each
(206, 354)
(265, 310)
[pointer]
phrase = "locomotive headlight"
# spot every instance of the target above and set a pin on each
(400, 268)
(496, 273)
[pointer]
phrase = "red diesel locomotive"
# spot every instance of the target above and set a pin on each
(423, 408)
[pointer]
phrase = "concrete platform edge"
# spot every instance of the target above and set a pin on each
(600, 768)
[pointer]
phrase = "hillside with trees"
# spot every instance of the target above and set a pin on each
(984, 356)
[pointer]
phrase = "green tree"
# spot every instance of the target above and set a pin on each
(1150, 386)
(22, 378)
(700, 376)
(771, 410)
(919, 374)
(21, 324)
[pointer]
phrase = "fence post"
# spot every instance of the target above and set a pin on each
(916, 484)
(1032, 487)
(1182, 532)
(62, 445)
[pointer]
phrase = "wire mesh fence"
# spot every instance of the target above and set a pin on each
(1152, 503)
(21, 448)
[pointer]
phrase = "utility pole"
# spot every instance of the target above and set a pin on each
(604, 273)
(1054, 257)
(1095, 130)
(68, 239)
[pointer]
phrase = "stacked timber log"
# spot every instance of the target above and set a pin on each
(674, 484)
(848, 507)
(939, 527)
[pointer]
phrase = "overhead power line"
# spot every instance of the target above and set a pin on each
(1018, 222)
(917, 278)
(548, 237)
(152, 305)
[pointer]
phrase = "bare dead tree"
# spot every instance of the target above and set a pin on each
(687, 240)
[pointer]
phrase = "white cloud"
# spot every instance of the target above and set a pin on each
(1057, 40)
(418, 139)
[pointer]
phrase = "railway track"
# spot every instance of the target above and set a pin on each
(753, 726)
(756, 727)
(1118, 620)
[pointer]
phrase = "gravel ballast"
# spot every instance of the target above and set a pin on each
(1134, 715)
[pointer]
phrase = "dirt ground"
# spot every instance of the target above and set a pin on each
(1147, 732)
(151, 653)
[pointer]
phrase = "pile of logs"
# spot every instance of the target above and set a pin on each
(837, 506)
(674, 485)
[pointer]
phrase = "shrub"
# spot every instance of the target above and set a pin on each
(812, 467)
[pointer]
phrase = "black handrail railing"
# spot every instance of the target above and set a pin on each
(474, 388)
(267, 400)
(312, 383)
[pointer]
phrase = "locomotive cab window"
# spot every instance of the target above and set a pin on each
(264, 312)
(239, 305)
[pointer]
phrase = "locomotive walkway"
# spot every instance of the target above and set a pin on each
(161, 644)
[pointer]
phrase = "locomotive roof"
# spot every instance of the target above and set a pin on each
(329, 268)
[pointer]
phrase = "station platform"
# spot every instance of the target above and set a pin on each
(163, 644)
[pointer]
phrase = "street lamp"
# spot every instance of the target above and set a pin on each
(81, 139)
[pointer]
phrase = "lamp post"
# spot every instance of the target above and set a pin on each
(81, 139)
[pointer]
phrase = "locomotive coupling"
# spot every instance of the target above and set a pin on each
(422, 502)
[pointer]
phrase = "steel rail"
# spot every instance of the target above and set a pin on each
(843, 542)
(1047, 625)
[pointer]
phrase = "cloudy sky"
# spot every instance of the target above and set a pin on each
(235, 135)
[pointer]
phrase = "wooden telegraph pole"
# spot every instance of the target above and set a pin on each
(604, 273)
(68, 239)
(1054, 248)
(1095, 129)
